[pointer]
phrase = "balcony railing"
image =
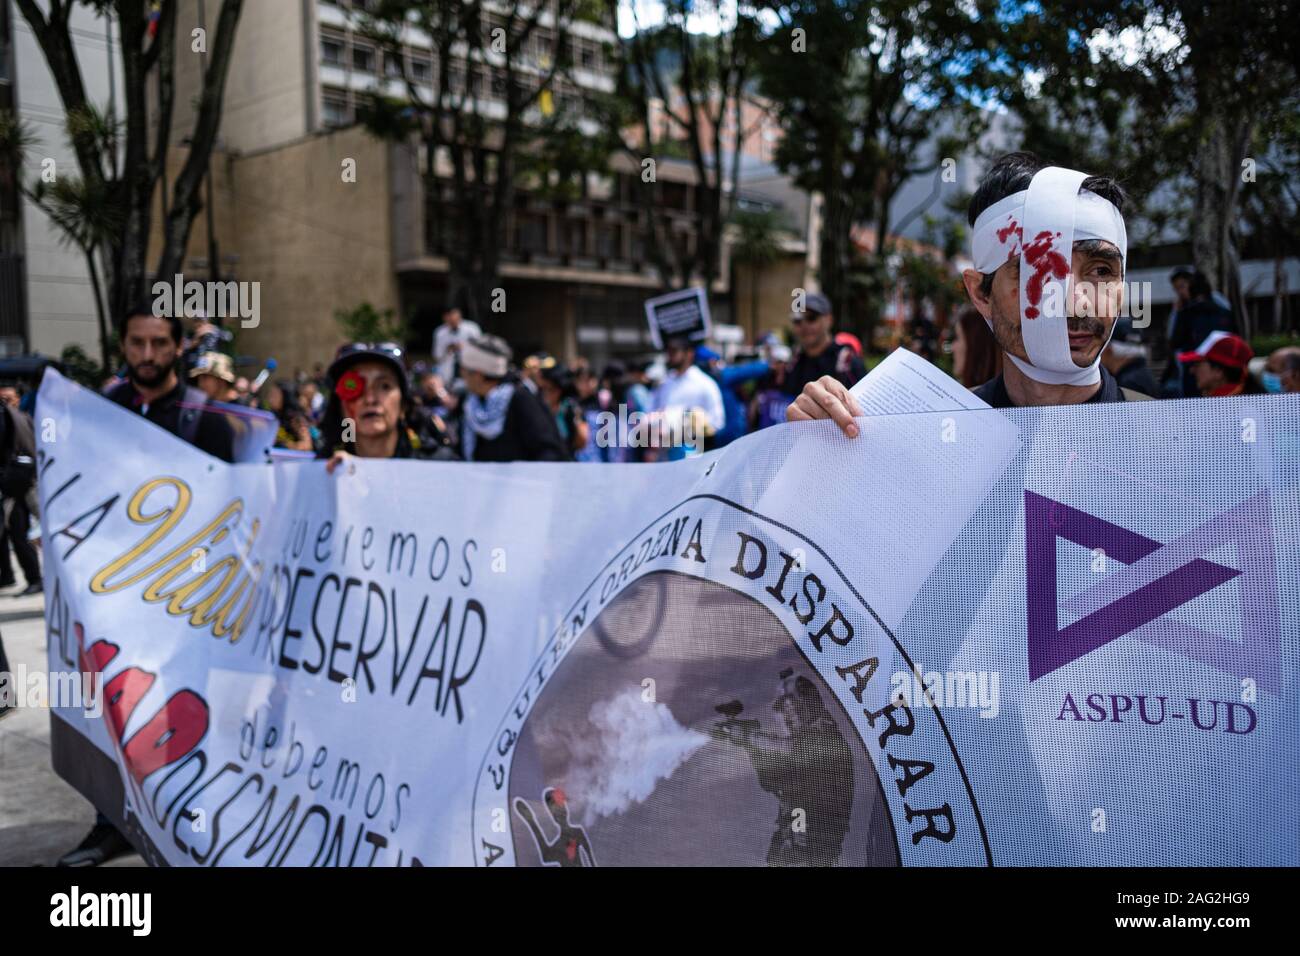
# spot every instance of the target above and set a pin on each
(601, 235)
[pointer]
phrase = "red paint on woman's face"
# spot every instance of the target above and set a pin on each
(378, 409)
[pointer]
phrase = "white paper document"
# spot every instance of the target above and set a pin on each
(906, 383)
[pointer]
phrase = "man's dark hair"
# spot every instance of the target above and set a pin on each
(1198, 287)
(146, 308)
(1012, 173)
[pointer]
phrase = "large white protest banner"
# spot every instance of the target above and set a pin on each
(965, 637)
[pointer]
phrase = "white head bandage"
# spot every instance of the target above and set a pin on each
(478, 355)
(1040, 225)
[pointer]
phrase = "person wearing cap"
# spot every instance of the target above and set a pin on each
(818, 354)
(1201, 312)
(369, 414)
(1282, 371)
(1219, 366)
(687, 402)
(1051, 316)
(502, 420)
(214, 375)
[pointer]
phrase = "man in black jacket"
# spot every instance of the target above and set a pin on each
(818, 354)
(503, 421)
(151, 346)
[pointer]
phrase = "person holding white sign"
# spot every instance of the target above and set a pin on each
(688, 403)
(1049, 248)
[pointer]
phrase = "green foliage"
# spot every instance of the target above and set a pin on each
(81, 368)
(1265, 345)
(861, 105)
(365, 323)
(757, 235)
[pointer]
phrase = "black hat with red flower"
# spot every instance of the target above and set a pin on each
(348, 385)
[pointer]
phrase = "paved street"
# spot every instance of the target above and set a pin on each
(41, 817)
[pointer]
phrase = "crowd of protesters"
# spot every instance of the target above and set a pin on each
(474, 399)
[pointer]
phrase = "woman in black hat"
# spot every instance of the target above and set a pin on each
(370, 410)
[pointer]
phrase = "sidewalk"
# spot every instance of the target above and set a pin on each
(41, 817)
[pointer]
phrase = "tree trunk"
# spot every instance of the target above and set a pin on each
(105, 353)
(1220, 153)
(836, 246)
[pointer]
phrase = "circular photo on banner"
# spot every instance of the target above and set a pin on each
(685, 728)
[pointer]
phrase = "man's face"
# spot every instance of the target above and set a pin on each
(1290, 376)
(1181, 286)
(551, 393)
(478, 383)
(813, 330)
(680, 357)
(452, 318)
(1096, 299)
(149, 350)
(1208, 376)
(9, 396)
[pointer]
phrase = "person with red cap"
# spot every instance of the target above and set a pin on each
(1219, 365)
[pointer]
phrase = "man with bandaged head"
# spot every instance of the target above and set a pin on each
(1049, 248)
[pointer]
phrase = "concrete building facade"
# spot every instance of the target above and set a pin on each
(46, 298)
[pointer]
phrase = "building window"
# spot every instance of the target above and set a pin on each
(363, 59)
(334, 110)
(331, 51)
(392, 65)
(421, 70)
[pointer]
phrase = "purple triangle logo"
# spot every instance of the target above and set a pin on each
(1158, 578)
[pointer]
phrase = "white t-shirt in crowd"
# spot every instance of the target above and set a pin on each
(693, 388)
(444, 336)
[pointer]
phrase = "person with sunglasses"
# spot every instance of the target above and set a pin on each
(818, 353)
(370, 410)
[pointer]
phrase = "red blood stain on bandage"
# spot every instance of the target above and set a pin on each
(1045, 261)
(1011, 229)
